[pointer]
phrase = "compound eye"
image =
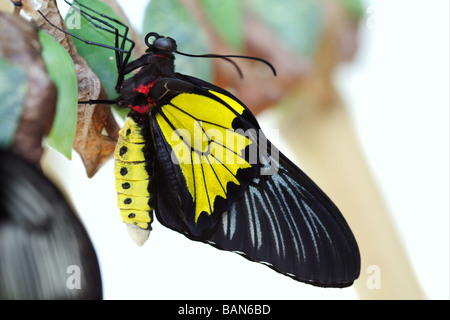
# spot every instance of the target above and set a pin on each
(164, 44)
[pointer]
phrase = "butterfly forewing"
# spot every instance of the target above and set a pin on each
(209, 155)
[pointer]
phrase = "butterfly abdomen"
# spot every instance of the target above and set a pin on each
(132, 178)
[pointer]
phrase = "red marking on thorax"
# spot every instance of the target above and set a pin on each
(140, 109)
(143, 89)
(161, 56)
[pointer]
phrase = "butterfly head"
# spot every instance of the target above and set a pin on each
(158, 44)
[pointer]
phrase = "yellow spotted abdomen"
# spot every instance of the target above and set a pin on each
(132, 177)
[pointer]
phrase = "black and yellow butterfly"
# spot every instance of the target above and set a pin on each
(195, 155)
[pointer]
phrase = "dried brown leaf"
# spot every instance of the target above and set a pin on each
(91, 143)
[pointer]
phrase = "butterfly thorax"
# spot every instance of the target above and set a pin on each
(135, 91)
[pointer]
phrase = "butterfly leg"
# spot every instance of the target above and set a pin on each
(79, 38)
(122, 55)
(98, 102)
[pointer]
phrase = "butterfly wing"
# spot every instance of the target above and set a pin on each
(285, 221)
(203, 150)
(44, 248)
(278, 216)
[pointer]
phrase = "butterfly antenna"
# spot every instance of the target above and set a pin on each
(227, 58)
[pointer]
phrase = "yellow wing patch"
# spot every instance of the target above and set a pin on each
(132, 177)
(232, 103)
(205, 145)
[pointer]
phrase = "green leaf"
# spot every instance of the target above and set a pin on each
(101, 60)
(13, 90)
(226, 16)
(169, 18)
(298, 23)
(61, 71)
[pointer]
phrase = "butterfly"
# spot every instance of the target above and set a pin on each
(45, 251)
(195, 156)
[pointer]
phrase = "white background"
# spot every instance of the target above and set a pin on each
(397, 91)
